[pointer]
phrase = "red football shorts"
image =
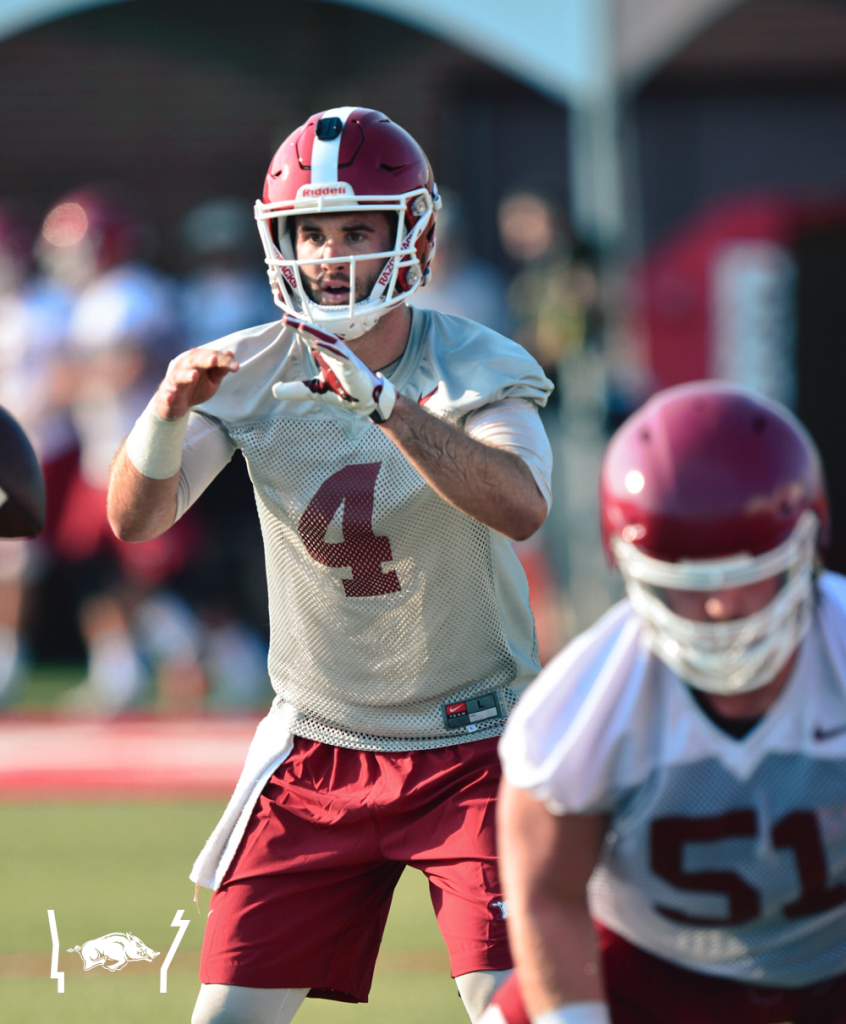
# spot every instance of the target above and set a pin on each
(305, 900)
(642, 989)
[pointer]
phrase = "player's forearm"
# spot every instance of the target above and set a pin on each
(493, 486)
(144, 477)
(546, 861)
(555, 952)
(139, 508)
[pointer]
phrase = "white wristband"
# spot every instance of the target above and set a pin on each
(154, 445)
(593, 1012)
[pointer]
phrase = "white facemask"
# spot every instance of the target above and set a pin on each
(353, 319)
(741, 654)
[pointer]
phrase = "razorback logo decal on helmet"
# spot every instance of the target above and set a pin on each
(340, 160)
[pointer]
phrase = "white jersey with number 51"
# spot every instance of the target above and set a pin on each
(725, 856)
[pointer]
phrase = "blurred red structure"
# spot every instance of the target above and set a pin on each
(681, 277)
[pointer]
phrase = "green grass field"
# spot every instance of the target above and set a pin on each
(106, 867)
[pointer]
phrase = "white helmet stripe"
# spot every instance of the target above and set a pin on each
(324, 154)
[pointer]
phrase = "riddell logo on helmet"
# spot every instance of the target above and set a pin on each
(340, 188)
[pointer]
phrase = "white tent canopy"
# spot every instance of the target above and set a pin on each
(571, 50)
(580, 52)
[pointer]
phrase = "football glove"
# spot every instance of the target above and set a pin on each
(344, 381)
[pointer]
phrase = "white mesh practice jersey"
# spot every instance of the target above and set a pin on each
(725, 856)
(397, 622)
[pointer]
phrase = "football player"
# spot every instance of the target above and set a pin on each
(395, 452)
(678, 772)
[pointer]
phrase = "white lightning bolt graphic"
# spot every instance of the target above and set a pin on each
(54, 960)
(181, 924)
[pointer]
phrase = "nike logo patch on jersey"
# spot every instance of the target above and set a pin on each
(468, 713)
(828, 734)
(423, 399)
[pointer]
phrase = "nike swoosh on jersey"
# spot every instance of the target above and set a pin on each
(423, 399)
(828, 734)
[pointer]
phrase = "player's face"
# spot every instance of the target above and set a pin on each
(324, 237)
(723, 605)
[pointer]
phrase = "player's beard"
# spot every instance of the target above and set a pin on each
(365, 280)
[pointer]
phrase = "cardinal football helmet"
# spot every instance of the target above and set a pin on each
(340, 160)
(710, 486)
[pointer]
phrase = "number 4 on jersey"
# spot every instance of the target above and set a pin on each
(361, 550)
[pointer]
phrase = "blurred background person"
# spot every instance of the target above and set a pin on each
(223, 290)
(553, 293)
(122, 331)
(553, 300)
(462, 283)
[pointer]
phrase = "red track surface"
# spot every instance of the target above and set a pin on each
(53, 758)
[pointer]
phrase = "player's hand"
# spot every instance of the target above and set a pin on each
(191, 378)
(344, 380)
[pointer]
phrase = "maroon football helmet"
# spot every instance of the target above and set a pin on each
(345, 159)
(710, 486)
